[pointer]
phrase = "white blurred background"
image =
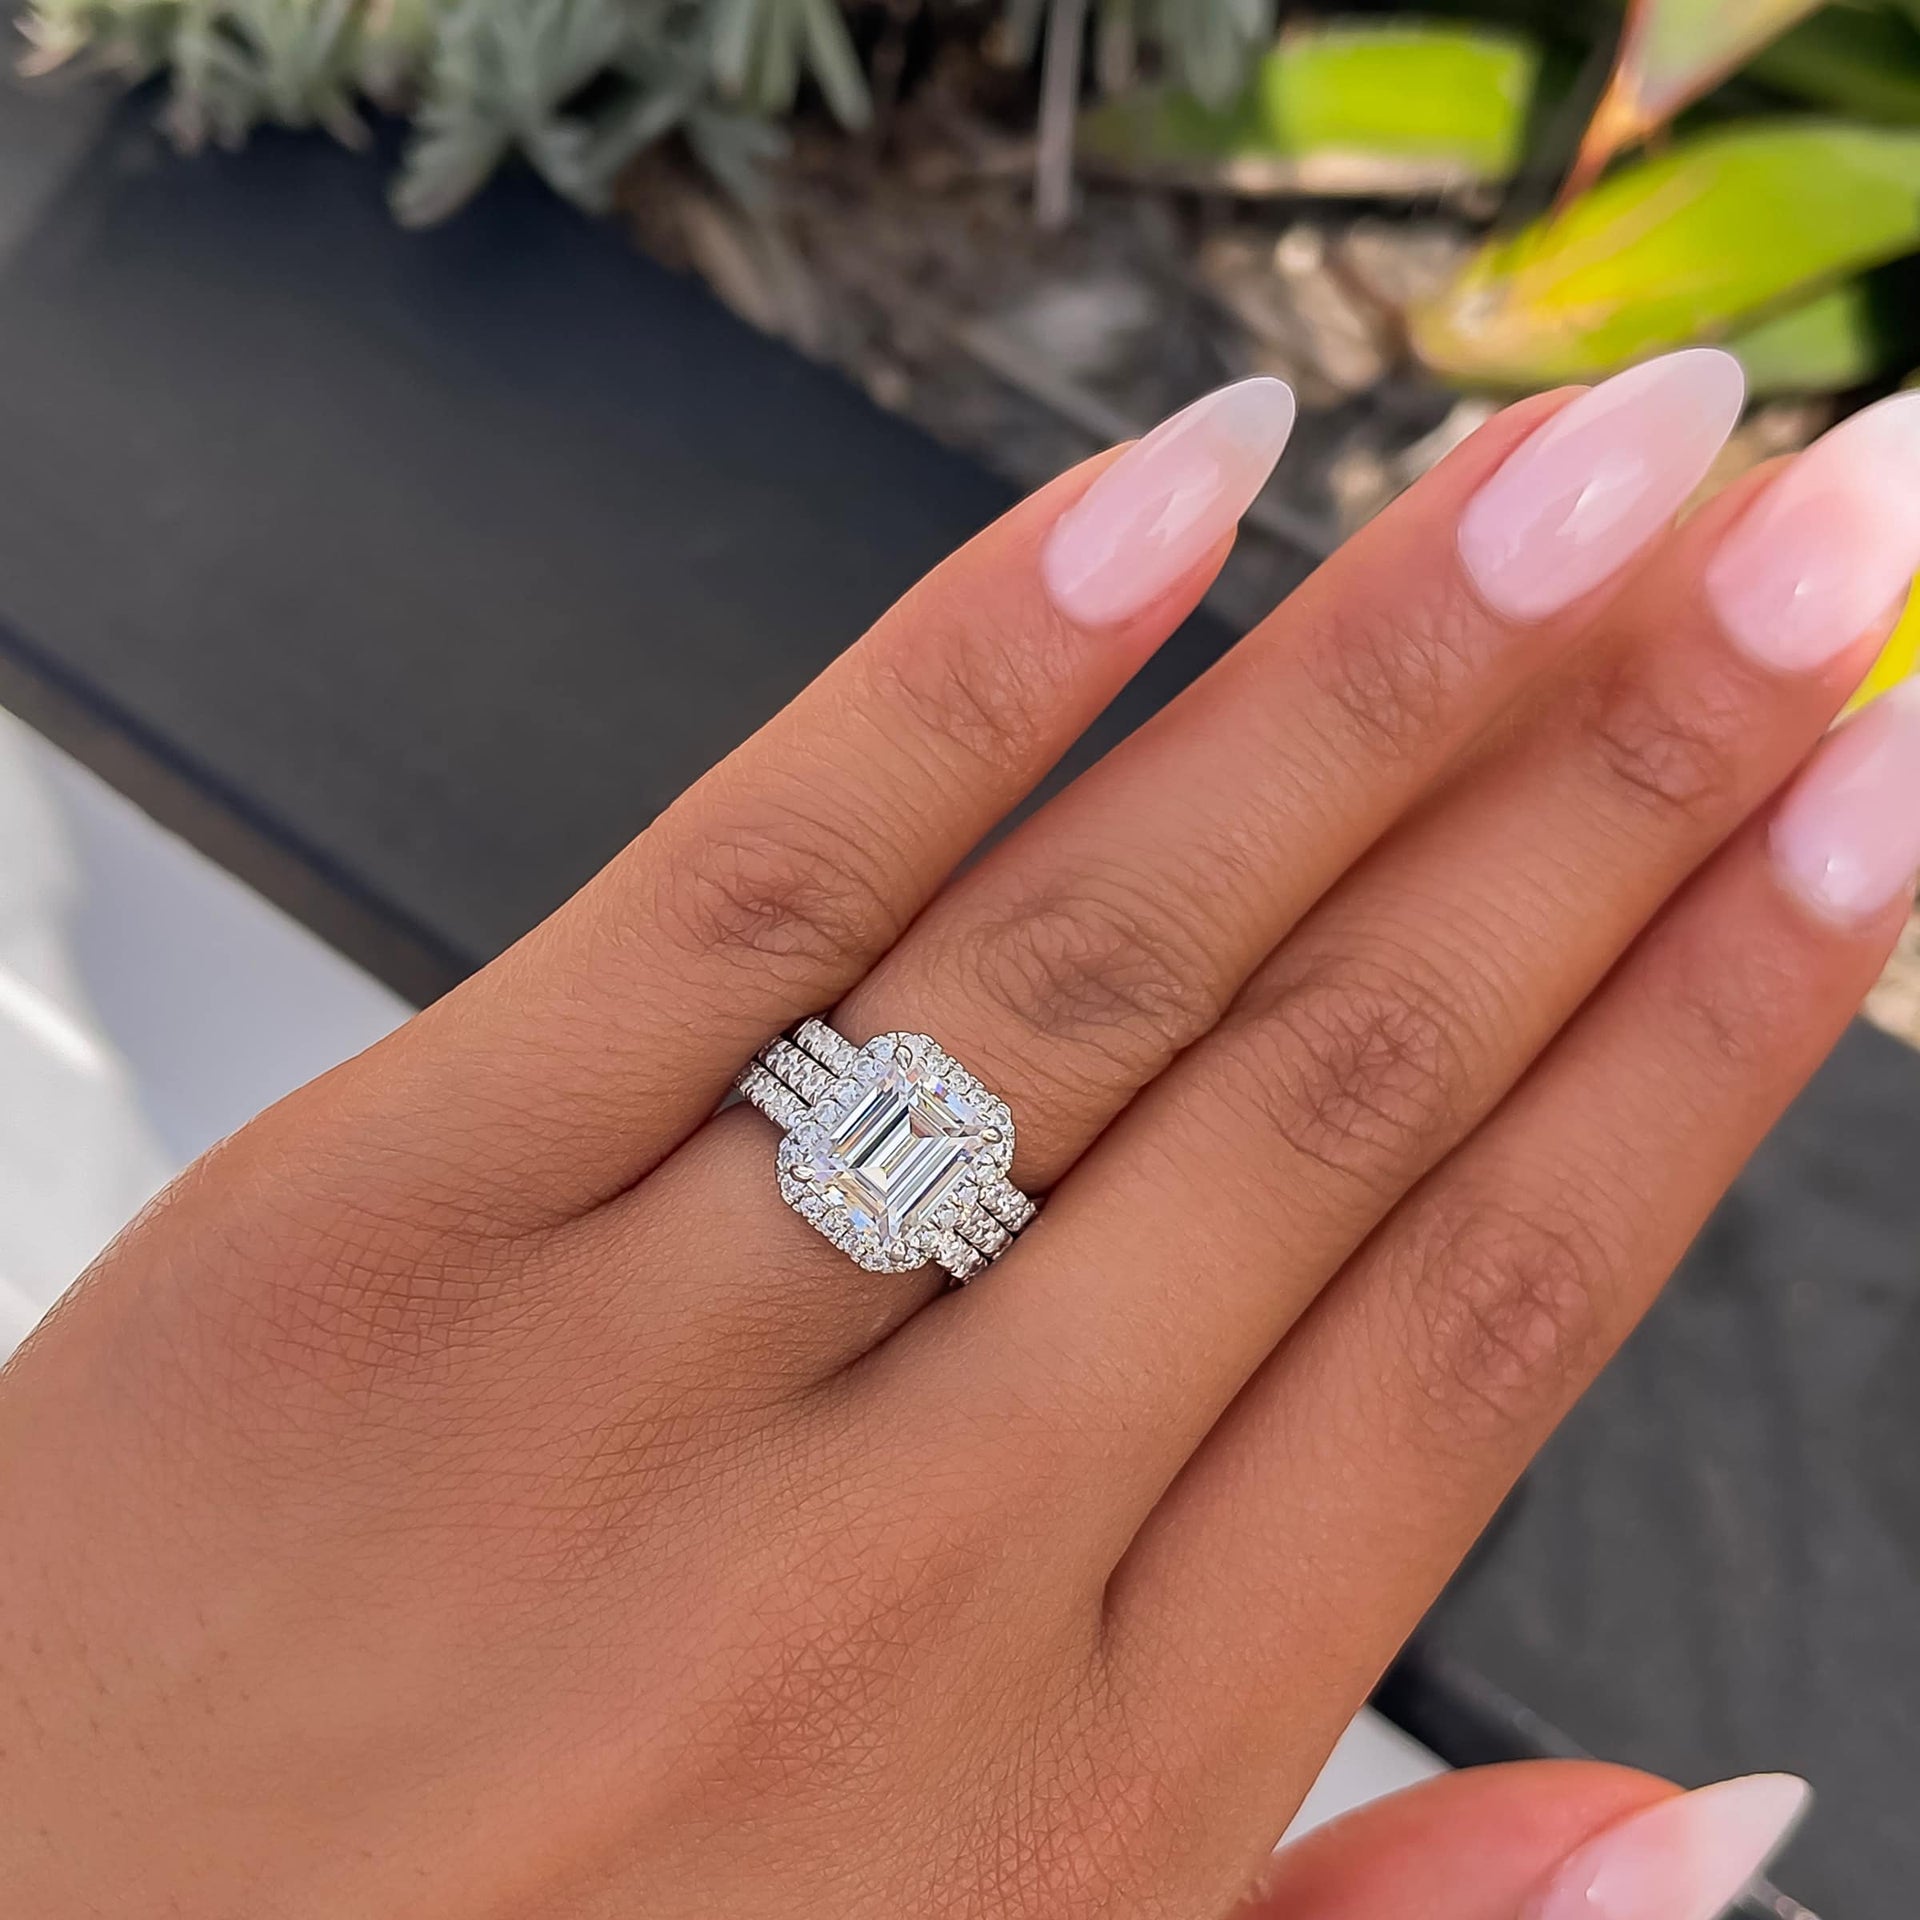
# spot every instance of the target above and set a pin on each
(149, 1003)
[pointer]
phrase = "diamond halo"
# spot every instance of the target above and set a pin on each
(893, 1150)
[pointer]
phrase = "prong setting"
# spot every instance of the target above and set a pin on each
(896, 1155)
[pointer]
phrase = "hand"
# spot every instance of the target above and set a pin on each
(470, 1491)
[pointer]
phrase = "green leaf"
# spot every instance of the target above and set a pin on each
(1860, 61)
(1452, 94)
(500, 74)
(1672, 51)
(1210, 42)
(1718, 231)
(1359, 106)
(735, 29)
(836, 66)
(760, 48)
(1825, 345)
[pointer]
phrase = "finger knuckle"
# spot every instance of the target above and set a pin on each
(1502, 1308)
(1355, 1067)
(1107, 983)
(1676, 754)
(1394, 675)
(780, 894)
(992, 694)
(1737, 1009)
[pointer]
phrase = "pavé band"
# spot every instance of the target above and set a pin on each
(894, 1151)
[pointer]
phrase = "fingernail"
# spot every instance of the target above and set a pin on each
(1166, 503)
(1575, 501)
(1847, 837)
(1686, 1858)
(1829, 546)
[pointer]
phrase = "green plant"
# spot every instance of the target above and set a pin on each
(575, 87)
(1206, 46)
(1756, 223)
(1386, 102)
(1670, 52)
(1752, 228)
(1752, 220)
(503, 76)
(1738, 224)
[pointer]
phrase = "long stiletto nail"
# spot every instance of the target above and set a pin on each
(1830, 546)
(1575, 501)
(1847, 837)
(1166, 503)
(1686, 1858)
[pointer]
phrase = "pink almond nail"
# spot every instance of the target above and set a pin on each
(1581, 496)
(1830, 545)
(1685, 1858)
(1166, 503)
(1847, 837)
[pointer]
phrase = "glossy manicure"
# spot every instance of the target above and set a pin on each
(1686, 1858)
(1830, 547)
(1166, 503)
(1578, 499)
(1847, 837)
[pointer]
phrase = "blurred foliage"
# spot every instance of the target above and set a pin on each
(1732, 170)
(574, 87)
(1207, 45)
(1753, 234)
(1782, 167)
(1670, 52)
(1735, 171)
(1428, 103)
(1857, 60)
(1826, 344)
(1730, 223)
(1751, 226)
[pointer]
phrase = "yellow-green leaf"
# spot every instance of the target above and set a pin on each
(1672, 51)
(1825, 345)
(1368, 106)
(1898, 658)
(1453, 94)
(1690, 245)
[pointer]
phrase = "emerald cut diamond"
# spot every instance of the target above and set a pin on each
(894, 1151)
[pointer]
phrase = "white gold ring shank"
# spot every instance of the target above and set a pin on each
(893, 1150)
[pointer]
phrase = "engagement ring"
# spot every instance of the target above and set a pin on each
(894, 1150)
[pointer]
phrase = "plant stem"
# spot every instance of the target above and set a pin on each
(1059, 107)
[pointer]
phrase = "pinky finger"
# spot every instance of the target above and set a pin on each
(1543, 1840)
(1383, 1433)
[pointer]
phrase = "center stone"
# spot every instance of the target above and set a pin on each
(902, 1150)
